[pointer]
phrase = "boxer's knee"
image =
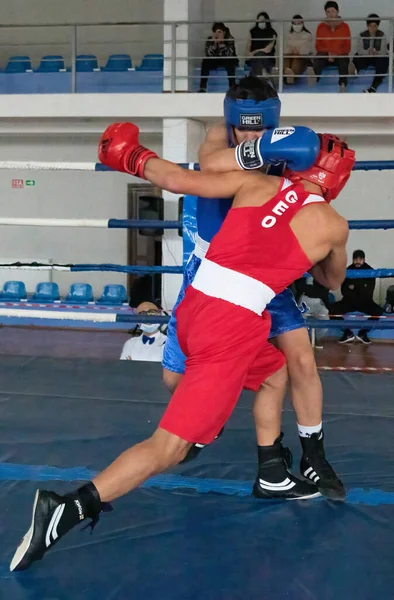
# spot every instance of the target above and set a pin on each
(169, 447)
(301, 365)
(171, 380)
(298, 351)
(277, 380)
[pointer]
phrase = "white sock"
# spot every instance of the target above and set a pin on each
(306, 432)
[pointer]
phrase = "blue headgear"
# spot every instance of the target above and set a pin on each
(251, 115)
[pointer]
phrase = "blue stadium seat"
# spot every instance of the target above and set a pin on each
(217, 81)
(52, 63)
(113, 294)
(13, 291)
(46, 291)
(86, 63)
(80, 293)
(152, 62)
(118, 62)
(18, 64)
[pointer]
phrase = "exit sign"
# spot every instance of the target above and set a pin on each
(30, 182)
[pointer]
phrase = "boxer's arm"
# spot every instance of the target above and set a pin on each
(298, 147)
(175, 179)
(120, 149)
(214, 154)
(331, 271)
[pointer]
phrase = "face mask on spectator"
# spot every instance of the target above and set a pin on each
(149, 327)
(298, 28)
(261, 25)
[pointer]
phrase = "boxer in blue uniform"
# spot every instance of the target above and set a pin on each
(251, 108)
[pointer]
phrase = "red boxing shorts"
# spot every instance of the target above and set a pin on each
(227, 350)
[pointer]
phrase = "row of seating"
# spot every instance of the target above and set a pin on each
(218, 81)
(79, 293)
(85, 63)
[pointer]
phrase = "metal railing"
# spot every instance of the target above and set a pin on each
(86, 48)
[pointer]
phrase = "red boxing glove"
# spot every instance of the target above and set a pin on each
(119, 149)
(332, 168)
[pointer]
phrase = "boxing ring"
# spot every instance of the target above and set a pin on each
(194, 533)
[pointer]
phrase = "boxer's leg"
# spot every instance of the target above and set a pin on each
(171, 380)
(134, 466)
(273, 478)
(217, 366)
(289, 334)
(267, 408)
(55, 515)
(305, 386)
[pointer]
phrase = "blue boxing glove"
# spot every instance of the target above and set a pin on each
(298, 147)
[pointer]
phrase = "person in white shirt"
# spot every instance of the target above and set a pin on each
(298, 48)
(150, 345)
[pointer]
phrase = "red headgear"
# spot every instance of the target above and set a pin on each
(332, 168)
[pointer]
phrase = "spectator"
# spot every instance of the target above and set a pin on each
(372, 52)
(261, 46)
(357, 296)
(150, 345)
(220, 52)
(299, 46)
(333, 43)
(309, 290)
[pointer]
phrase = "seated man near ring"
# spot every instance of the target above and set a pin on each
(277, 229)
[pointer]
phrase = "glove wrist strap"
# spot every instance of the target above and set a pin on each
(248, 155)
(136, 160)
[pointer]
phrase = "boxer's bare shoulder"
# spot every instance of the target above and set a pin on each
(256, 189)
(216, 139)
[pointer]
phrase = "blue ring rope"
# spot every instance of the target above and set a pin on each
(371, 224)
(369, 273)
(145, 224)
(156, 224)
(359, 323)
(136, 269)
(350, 273)
(350, 323)
(312, 323)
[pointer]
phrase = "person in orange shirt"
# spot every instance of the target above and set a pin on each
(333, 43)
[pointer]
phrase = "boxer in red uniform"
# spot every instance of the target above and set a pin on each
(277, 229)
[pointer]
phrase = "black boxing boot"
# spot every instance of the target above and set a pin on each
(274, 480)
(53, 517)
(195, 450)
(315, 467)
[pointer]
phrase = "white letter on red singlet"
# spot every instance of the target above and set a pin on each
(291, 197)
(268, 221)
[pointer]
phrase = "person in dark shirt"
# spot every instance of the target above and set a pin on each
(219, 52)
(372, 51)
(261, 46)
(357, 296)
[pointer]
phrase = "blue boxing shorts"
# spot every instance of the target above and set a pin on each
(173, 357)
(285, 316)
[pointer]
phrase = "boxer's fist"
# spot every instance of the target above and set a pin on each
(119, 149)
(299, 147)
(116, 143)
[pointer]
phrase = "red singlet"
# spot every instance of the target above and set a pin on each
(223, 326)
